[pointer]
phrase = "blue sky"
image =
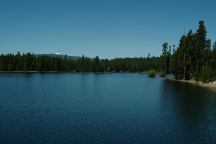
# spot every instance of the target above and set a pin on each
(107, 28)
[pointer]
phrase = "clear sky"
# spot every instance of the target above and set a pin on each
(107, 28)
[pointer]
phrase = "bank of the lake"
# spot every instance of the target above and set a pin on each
(74, 72)
(34, 71)
(210, 85)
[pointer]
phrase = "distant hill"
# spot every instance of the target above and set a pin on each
(60, 55)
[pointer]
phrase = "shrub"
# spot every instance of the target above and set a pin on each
(162, 74)
(152, 73)
(207, 74)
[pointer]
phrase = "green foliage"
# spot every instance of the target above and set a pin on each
(201, 45)
(165, 57)
(194, 56)
(214, 46)
(162, 74)
(207, 74)
(43, 63)
(152, 73)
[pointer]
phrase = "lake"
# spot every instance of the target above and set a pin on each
(73, 108)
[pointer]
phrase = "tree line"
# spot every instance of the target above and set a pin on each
(45, 63)
(194, 58)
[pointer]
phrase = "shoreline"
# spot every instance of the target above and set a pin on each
(31, 71)
(210, 85)
(67, 72)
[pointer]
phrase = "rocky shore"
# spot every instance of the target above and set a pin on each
(210, 85)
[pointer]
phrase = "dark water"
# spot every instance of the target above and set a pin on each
(103, 109)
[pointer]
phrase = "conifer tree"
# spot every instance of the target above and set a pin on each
(165, 57)
(201, 45)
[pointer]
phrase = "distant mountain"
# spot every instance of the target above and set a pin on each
(60, 55)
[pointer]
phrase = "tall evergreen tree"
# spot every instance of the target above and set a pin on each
(201, 45)
(214, 46)
(165, 61)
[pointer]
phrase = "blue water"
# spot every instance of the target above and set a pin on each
(67, 108)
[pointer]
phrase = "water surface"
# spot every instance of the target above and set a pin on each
(103, 109)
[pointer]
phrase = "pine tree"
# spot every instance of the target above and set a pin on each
(201, 45)
(214, 46)
(165, 57)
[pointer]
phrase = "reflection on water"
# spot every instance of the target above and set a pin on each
(104, 108)
(192, 106)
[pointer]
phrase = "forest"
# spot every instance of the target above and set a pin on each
(194, 58)
(45, 63)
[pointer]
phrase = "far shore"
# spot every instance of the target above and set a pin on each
(210, 85)
(64, 72)
(29, 71)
